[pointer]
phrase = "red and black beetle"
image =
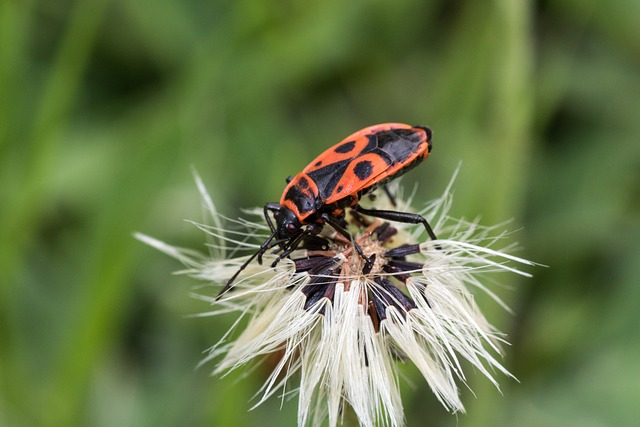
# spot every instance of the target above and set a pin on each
(336, 180)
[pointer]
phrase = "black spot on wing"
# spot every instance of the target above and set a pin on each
(303, 183)
(393, 146)
(345, 147)
(363, 169)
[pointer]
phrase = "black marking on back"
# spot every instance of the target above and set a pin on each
(398, 144)
(363, 169)
(303, 202)
(345, 147)
(393, 146)
(303, 183)
(429, 133)
(327, 177)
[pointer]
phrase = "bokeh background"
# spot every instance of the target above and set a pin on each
(106, 106)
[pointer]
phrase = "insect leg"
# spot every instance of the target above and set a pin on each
(292, 246)
(273, 207)
(389, 195)
(405, 217)
(340, 229)
(263, 248)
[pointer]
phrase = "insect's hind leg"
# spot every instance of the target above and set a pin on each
(387, 192)
(406, 217)
(389, 195)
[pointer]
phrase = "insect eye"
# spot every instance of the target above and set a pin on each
(292, 228)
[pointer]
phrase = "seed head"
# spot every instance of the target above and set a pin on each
(340, 326)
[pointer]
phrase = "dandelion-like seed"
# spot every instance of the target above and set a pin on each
(342, 331)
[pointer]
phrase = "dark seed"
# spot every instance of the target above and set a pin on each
(389, 295)
(381, 307)
(388, 233)
(373, 313)
(319, 287)
(315, 265)
(403, 277)
(315, 243)
(359, 219)
(402, 251)
(381, 229)
(407, 266)
(369, 265)
(364, 350)
(314, 294)
(306, 264)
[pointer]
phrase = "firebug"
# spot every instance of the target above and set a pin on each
(336, 180)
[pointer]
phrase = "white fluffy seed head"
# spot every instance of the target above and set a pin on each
(340, 332)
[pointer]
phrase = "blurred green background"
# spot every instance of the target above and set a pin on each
(105, 107)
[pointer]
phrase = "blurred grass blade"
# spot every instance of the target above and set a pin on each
(24, 195)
